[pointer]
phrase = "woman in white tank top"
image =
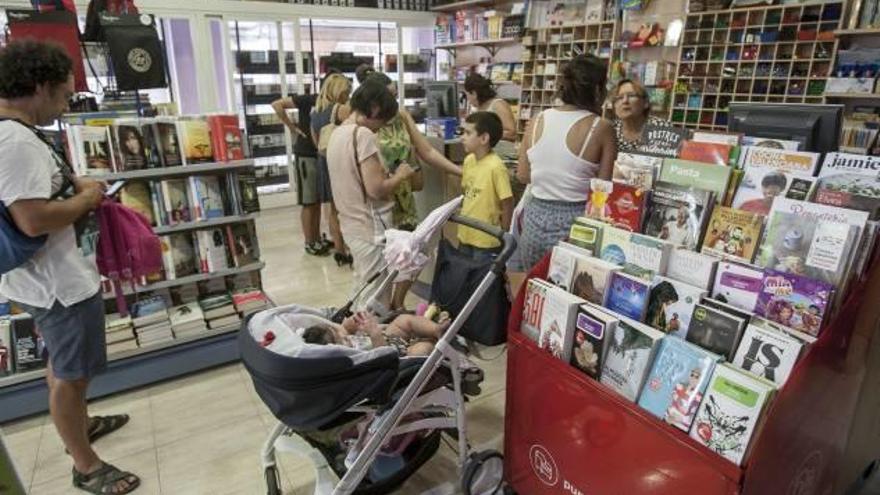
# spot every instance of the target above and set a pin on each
(563, 148)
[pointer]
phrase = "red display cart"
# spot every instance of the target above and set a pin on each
(566, 433)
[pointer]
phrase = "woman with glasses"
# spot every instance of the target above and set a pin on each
(632, 111)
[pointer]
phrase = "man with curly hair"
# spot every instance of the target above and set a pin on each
(59, 286)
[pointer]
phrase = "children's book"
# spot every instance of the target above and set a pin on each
(730, 412)
(621, 205)
(533, 308)
(195, 137)
(242, 241)
(697, 175)
(671, 304)
(692, 268)
(794, 301)
(226, 137)
(678, 214)
(768, 353)
(557, 323)
(593, 328)
(677, 381)
(627, 295)
(715, 330)
(176, 196)
(817, 241)
(169, 142)
(562, 267)
(714, 153)
(733, 234)
(586, 233)
(136, 195)
(636, 170)
(769, 173)
(628, 356)
(738, 285)
(591, 278)
(850, 181)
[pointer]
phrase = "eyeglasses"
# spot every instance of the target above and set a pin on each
(628, 97)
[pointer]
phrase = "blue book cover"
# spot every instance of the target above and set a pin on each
(627, 295)
(675, 386)
(148, 306)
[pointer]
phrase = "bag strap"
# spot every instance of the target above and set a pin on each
(357, 161)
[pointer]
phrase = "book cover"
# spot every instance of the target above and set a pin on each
(733, 234)
(850, 181)
(796, 302)
(677, 381)
(731, 139)
(129, 144)
(210, 197)
(813, 240)
(27, 345)
(731, 409)
(213, 252)
(94, 150)
(671, 304)
(533, 308)
(215, 301)
(592, 325)
(714, 153)
(562, 265)
(6, 351)
(195, 137)
(590, 279)
(715, 330)
(557, 323)
(152, 144)
(696, 175)
(779, 144)
(768, 353)
(768, 173)
(157, 199)
(627, 295)
(692, 268)
(186, 314)
(766, 324)
(226, 136)
(176, 196)
(662, 140)
(242, 239)
(636, 170)
(169, 143)
(678, 213)
(247, 184)
(639, 255)
(621, 205)
(587, 234)
(738, 285)
(628, 356)
(183, 254)
(136, 195)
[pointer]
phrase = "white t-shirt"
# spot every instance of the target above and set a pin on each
(58, 270)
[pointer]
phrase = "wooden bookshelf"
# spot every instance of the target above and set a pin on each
(548, 48)
(772, 54)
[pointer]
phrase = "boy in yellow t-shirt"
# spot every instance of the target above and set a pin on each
(485, 184)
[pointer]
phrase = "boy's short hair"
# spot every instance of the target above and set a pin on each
(26, 64)
(318, 334)
(487, 123)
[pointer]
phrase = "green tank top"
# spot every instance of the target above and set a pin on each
(395, 146)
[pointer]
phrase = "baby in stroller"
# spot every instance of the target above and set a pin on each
(409, 335)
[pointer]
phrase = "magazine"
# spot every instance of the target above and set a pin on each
(769, 173)
(850, 181)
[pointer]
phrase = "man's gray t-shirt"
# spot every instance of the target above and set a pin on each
(58, 271)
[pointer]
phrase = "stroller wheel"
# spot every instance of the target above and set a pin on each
(483, 473)
(273, 481)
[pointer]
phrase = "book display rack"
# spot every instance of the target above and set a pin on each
(775, 54)
(546, 49)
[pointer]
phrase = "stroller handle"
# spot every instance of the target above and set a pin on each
(508, 243)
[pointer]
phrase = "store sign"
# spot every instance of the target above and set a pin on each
(545, 468)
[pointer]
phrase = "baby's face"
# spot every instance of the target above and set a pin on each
(350, 324)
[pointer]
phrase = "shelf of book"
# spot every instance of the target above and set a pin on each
(204, 224)
(166, 172)
(189, 279)
(465, 4)
(488, 42)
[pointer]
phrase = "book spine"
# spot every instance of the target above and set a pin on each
(157, 210)
(201, 258)
(195, 199)
(236, 257)
(166, 199)
(157, 137)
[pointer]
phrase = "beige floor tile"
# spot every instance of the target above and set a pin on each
(142, 464)
(190, 379)
(23, 445)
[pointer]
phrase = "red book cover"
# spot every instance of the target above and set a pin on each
(716, 153)
(226, 137)
(619, 204)
(242, 298)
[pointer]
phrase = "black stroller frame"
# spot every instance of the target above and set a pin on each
(405, 408)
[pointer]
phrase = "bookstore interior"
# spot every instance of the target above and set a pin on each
(702, 324)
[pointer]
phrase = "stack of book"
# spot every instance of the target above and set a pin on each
(188, 320)
(219, 311)
(151, 323)
(250, 300)
(119, 333)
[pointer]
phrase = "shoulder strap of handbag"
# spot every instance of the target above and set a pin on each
(357, 161)
(63, 165)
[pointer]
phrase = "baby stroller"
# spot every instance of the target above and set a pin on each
(369, 419)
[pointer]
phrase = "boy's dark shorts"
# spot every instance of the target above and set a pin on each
(74, 338)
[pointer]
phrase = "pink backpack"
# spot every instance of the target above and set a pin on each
(127, 248)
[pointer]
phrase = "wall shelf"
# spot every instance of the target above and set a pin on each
(205, 224)
(165, 172)
(483, 43)
(189, 279)
(454, 6)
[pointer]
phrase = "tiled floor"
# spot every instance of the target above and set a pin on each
(202, 434)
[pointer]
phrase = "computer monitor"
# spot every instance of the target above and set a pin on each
(816, 127)
(442, 99)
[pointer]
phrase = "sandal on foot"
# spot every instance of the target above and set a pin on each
(100, 426)
(316, 249)
(104, 481)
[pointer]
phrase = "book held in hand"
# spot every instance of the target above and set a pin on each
(768, 353)
(671, 304)
(733, 234)
(593, 327)
(628, 357)
(794, 301)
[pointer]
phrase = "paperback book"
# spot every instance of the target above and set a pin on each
(94, 153)
(696, 175)
(213, 251)
(738, 285)
(226, 137)
(677, 381)
(662, 140)
(715, 330)
(152, 144)
(179, 255)
(562, 267)
(678, 213)
(639, 255)
(169, 143)
(733, 234)
(177, 203)
(242, 239)
(692, 268)
(590, 279)
(768, 353)
(586, 233)
(794, 301)
(247, 184)
(703, 152)
(129, 145)
(557, 323)
(730, 412)
(27, 345)
(206, 197)
(850, 181)
(636, 170)
(628, 356)
(671, 304)
(533, 308)
(592, 326)
(136, 195)
(627, 295)
(620, 205)
(769, 173)
(6, 350)
(195, 137)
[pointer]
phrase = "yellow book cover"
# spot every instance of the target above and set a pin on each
(136, 195)
(733, 234)
(196, 139)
